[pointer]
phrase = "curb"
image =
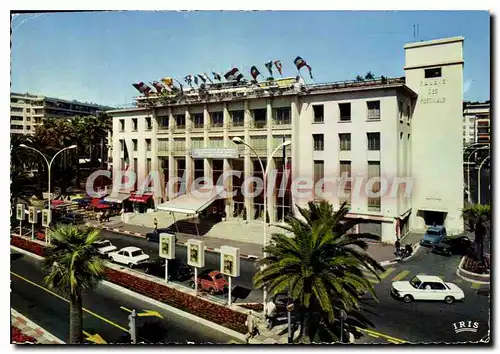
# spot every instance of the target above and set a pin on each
(178, 312)
(463, 271)
(159, 304)
(43, 332)
(247, 257)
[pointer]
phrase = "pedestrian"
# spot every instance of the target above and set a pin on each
(271, 314)
(155, 222)
(252, 328)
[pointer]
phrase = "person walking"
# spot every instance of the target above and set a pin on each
(252, 327)
(155, 222)
(271, 314)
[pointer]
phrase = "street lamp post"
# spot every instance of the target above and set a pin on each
(239, 141)
(479, 180)
(49, 165)
(468, 170)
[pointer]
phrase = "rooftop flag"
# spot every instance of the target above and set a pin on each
(278, 65)
(300, 63)
(207, 78)
(254, 72)
(189, 79)
(269, 66)
(142, 88)
(168, 84)
(233, 74)
(217, 76)
(158, 86)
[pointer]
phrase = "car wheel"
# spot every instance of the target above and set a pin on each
(407, 299)
(211, 291)
(131, 265)
(449, 299)
(111, 259)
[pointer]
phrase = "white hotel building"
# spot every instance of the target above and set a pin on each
(394, 129)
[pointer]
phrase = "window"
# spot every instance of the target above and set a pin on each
(180, 121)
(345, 112)
(216, 142)
(28, 127)
(282, 116)
(197, 143)
(28, 119)
(437, 286)
(319, 115)
(408, 114)
(345, 169)
(163, 145)
(122, 145)
(238, 118)
(431, 73)
(408, 136)
(260, 119)
(16, 118)
(374, 172)
(134, 124)
(400, 107)
(318, 142)
(198, 120)
(28, 110)
(15, 126)
(217, 119)
(373, 110)
(319, 173)
(134, 144)
(16, 109)
(373, 141)
(345, 141)
(148, 144)
(122, 125)
(163, 122)
(179, 145)
(400, 136)
(148, 123)
(148, 166)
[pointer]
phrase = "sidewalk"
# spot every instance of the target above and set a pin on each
(236, 228)
(31, 329)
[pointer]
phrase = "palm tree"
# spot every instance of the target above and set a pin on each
(322, 266)
(359, 78)
(369, 76)
(477, 219)
(74, 266)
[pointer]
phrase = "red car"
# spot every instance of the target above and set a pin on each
(212, 281)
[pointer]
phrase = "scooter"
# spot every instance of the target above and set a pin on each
(403, 252)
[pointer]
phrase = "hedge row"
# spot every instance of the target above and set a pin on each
(199, 307)
(17, 337)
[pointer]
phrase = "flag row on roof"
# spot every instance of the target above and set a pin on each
(171, 86)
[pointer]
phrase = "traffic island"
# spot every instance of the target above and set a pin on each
(473, 270)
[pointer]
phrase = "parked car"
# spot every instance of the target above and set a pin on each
(426, 287)
(155, 236)
(104, 247)
(176, 269)
(453, 245)
(131, 256)
(433, 235)
(212, 281)
(74, 219)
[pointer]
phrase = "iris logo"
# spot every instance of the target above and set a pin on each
(464, 326)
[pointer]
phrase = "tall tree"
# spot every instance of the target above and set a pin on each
(74, 265)
(477, 219)
(322, 266)
(359, 78)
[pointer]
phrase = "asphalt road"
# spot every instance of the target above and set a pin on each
(429, 322)
(102, 314)
(212, 261)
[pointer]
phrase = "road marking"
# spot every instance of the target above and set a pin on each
(64, 299)
(401, 275)
(372, 335)
(378, 334)
(475, 285)
(393, 341)
(386, 273)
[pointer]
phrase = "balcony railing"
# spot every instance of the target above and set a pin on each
(259, 124)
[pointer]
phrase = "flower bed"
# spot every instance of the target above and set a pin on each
(471, 264)
(202, 308)
(17, 337)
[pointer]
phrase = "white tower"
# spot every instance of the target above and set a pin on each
(434, 70)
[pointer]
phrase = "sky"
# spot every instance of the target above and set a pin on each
(96, 56)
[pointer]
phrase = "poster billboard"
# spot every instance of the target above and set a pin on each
(230, 261)
(167, 246)
(196, 253)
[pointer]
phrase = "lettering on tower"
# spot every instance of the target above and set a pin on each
(430, 91)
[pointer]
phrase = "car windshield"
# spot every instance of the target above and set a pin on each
(431, 233)
(415, 282)
(136, 253)
(105, 244)
(219, 276)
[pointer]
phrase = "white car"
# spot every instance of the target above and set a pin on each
(426, 287)
(104, 247)
(131, 256)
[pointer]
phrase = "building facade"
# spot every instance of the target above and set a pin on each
(362, 130)
(27, 111)
(476, 122)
